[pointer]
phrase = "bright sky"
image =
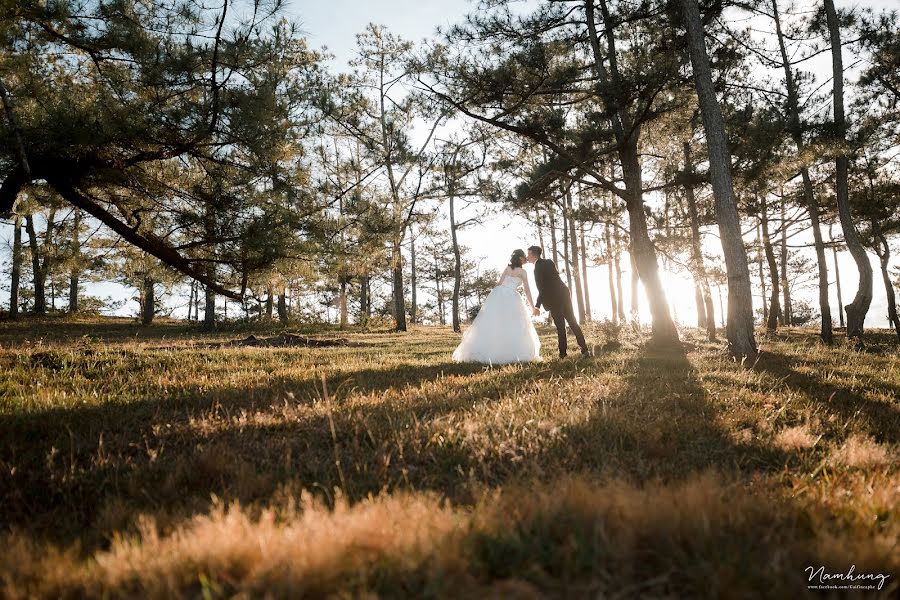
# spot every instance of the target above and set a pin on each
(334, 25)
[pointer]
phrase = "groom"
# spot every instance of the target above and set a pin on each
(554, 295)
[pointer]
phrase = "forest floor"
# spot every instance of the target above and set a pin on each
(160, 462)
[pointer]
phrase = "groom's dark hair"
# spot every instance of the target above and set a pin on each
(536, 250)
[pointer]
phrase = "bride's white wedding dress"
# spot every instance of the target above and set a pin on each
(502, 332)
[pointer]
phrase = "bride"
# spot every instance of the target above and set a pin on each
(502, 332)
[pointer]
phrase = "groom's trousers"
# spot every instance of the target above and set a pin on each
(563, 313)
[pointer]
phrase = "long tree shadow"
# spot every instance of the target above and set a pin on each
(93, 468)
(880, 419)
(661, 425)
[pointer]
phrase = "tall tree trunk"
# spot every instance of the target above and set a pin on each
(762, 273)
(457, 267)
(75, 273)
(627, 132)
(705, 313)
(566, 259)
(539, 226)
(270, 303)
(38, 275)
(282, 308)
(617, 261)
(16, 275)
(812, 206)
(553, 240)
(642, 249)
(584, 278)
(635, 299)
(438, 290)
(837, 279)
(364, 301)
(192, 289)
(774, 305)
(342, 301)
(697, 266)
(739, 327)
(573, 241)
(209, 310)
(883, 250)
(786, 312)
(397, 279)
(856, 310)
(610, 265)
(148, 302)
(413, 282)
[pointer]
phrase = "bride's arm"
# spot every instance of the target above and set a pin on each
(527, 291)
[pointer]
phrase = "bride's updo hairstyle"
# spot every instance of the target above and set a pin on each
(517, 259)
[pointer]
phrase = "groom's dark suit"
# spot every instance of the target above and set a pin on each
(554, 295)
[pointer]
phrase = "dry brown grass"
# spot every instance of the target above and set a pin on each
(159, 466)
(862, 451)
(795, 438)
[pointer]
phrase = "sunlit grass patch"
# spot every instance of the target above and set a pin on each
(643, 471)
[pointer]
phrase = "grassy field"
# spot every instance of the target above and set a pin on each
(156, 462)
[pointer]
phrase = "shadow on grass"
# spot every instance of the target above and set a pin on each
(67, 471)
(880, 419)
(83, 472)
(661, 425)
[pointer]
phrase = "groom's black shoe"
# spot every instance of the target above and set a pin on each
(586, 354)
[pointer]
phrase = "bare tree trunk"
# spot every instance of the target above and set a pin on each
(16, 274)
(787, 313)
(739, 327)
(364, 301)
(270, 303)
(399, 298)
(553, 240)
(209, 311)
(438, 291)
(342, 301)
(809, 196)
(617, 261)
(856, 310)
(457, 267)
(566, 258)
(635, 299)
(762, 274)
(837, 278)
(38, 275)
(148, 303)
(774, 305)
(539, 227)
(192, 288)
(697, 267)
(75, 273)
(413, 283)
(610, 265)
(883, 250)
(282, 308)
(584, 278)
(573, 241)
(627, 132)
(705, 313)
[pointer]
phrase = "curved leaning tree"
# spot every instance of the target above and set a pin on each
(178, 127)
